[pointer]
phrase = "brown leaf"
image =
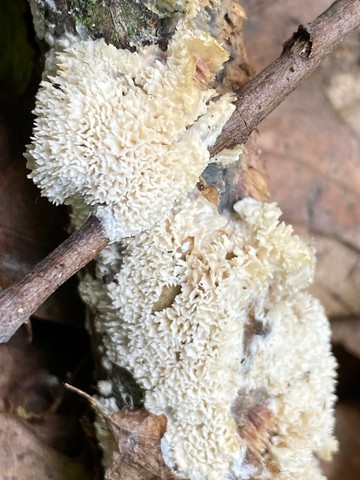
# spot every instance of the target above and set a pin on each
(39, 435)
(23, 457)
(346, 331)
(346, 464)
(342, 74)
(137, 434)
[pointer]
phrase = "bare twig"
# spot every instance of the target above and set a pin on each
(301, 55)
(92, 401)
(21, 300)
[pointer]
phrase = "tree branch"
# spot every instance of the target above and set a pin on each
(301, 55)
(21, 300)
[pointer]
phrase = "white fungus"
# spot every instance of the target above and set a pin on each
(211, 317)
(127, 133)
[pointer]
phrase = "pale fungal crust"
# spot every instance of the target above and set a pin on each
(210, 316)
(128, 132)
(107, 404)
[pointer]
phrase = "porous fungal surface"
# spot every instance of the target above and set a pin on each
(211, 316)
(127, 134)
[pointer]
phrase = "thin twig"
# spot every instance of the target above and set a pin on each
(21, 300)
(301, 55)
(92, 401)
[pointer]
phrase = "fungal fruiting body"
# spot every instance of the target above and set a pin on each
(127, 134)
(211, 316)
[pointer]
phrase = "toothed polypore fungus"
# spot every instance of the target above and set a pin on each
(127, 134)
(211, 316)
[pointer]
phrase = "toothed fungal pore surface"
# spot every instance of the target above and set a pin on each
(212, 318)
(126, 135)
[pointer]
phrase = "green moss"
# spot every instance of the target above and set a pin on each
(114, 36)
(83, 11)
(165, 8)
(130, 21)
(125, 23)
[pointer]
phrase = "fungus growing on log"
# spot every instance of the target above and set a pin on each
(207, 311)
(211, 316)
(127, 134)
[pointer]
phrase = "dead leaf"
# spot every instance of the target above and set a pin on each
(346, 464)
(342, 80)
(40, 435)
(137, 434)
(23, 457)
(346, 332)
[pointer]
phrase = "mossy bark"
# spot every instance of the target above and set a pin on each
(123, 23)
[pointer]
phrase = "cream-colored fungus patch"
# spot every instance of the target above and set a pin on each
(210, 313)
